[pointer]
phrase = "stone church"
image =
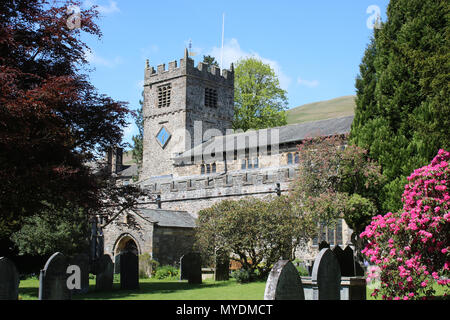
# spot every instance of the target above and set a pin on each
(192, 159)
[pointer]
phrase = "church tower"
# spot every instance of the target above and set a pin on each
(183, 107)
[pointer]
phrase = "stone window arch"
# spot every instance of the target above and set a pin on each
(289, 158)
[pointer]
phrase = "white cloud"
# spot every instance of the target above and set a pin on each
(307, 83)
(95, 59)
(232, 52)
(103, 9)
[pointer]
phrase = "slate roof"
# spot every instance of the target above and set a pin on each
(168, 218)
(287, 134)
(128, 171)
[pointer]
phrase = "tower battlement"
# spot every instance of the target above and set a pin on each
(186, 67)
(176, 96)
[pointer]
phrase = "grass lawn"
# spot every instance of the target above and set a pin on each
(152, 289)
(334, 108)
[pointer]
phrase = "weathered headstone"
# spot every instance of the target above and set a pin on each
(284, 283)
(53, 279)
(323, 245)
(339, 253)
(82, 260)
(350, 267)
(129, 271)
(105, 273)
(191, 268)
(326, 276)
(9, 280)
(222, 270)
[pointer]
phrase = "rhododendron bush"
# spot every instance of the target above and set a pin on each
(411, 247)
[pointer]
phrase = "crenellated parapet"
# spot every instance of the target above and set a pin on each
(213, 182)
(186, 67)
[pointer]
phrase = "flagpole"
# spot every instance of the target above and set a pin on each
(223, 32)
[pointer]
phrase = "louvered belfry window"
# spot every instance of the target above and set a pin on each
(164, 95)
(210, 98)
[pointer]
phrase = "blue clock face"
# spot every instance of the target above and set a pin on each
(163, 136)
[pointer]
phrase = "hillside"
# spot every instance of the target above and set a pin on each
(334, 108)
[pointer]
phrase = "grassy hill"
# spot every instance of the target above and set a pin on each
(334, 108)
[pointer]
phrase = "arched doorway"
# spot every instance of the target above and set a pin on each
(125, 243)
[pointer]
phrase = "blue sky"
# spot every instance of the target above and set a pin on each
(315, 47)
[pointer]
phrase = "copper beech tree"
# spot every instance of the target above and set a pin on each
(52, 120)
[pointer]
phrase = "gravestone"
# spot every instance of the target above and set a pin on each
(350, 267)
(222, 270)
(129, 271)
(326, 276)
(284, 283)
(53, 279)
(323, 245)
(191, 268)
(9, 280)
(339, 253)
(82, 260)
(105, 273)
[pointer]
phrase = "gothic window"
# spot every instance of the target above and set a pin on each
(208, 168)
(289, 158)
(164, 95)
(202, 169)
(213, 168)
(297, 158)
(210, 98)
(331, 234)
(255, 163)
(250, 163)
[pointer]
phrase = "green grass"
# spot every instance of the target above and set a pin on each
(153, 289)
(329, 109)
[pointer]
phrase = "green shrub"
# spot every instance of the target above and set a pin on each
(166, 272)
(147, 266)
(301, 270)
(244, 276)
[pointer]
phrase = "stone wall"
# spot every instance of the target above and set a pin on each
(128, 226)
(198, 192)
(170, 244)
(186, 118)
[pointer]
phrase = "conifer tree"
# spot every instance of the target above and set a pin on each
(403, 101)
